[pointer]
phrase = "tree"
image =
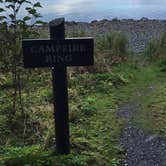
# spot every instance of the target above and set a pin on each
(13, 28)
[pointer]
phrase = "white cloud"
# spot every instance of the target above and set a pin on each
(94, 8)
(66, 6)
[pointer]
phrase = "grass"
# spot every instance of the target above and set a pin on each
(148, 87)
(114, 42)
(152, 116)
(93, 141)
(95, 130)
(110, 49)
(93, 102)
(156, 48)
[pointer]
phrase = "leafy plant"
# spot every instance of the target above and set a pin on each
(77, 33)
(156, 49)
(110, 49)
(13, 29)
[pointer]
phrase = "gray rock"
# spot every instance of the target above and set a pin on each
(138, 32)
(141, 149)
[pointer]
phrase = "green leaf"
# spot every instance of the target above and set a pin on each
(28, 2)
(37, 15)
(37, 4)
(32, 11)
(21, 1)
(8, 0)
(24, 1)
(12, 16)
(26, 18)
(39, 22)
(28, 8)
(1, 10)
(20, 22)
(2, 18)
(10, 6)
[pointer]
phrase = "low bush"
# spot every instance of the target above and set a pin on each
(110, 49)
(156, 49)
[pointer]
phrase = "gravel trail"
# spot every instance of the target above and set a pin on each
(141, 149)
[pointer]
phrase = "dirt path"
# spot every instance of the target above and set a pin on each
(141, 149)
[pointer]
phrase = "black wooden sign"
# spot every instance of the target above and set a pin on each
(49, 53)
(58, 53)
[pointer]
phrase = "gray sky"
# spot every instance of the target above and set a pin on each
(67, 6)
(86, 10)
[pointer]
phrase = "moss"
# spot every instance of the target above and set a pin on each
(95, 129)
(153, 115)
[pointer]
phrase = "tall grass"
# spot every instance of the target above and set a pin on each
(114, 42)
(110, 49)
(156, 48)
(76, 33)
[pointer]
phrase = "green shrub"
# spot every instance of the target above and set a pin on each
(77, 33)
(38, 156)
(162, 65)
(156, 49)
(83, 109)
(110, 49)
(114, 42)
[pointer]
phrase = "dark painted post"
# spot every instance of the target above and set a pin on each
(59, 74)
(59, 53)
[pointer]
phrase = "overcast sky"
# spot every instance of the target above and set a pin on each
(93, 9)
(86, 10)
(66, 6)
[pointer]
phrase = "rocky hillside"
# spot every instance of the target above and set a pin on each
(138, 32)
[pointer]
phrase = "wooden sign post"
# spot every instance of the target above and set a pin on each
(59, 53)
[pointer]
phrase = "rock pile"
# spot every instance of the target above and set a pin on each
(138, 32)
